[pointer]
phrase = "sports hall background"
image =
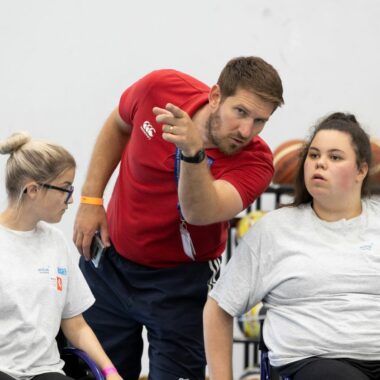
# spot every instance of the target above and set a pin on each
(64, 63)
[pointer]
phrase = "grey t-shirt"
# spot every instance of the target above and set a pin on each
(319, 280)
(40, 284)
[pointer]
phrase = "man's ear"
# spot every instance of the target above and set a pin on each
(31, 189)
(214, 97)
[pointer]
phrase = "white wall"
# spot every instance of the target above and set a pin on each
(63, 64)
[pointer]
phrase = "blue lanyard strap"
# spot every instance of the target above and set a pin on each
(177, 165)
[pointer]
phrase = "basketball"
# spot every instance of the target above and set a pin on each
(374, 172)
(249, 323)
(285, 161)
(246, 222)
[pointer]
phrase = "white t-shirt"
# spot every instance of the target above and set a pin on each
(40, 284)
(319, 280)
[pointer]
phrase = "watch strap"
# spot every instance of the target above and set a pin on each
(196, 159)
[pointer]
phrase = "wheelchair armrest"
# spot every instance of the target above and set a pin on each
(82, 355)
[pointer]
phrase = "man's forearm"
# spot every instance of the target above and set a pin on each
(196, 192)
(203, 199)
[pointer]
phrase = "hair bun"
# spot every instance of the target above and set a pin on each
(14, 142)
(342, 116)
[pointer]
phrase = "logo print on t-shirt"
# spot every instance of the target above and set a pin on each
(44, 270)
(62, 271)
(148, 129)
(59, 284)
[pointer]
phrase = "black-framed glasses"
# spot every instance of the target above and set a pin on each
(69, 190)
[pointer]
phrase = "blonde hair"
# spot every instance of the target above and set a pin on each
(31, 159)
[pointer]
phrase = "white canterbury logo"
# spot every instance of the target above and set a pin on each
(148, 129)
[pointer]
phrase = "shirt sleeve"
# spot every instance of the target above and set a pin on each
(133, 96)
(252, 172)
(236, 291)
(79, 297)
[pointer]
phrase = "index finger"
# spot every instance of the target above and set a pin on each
(176, 111)
(86, 245)
(161, 111)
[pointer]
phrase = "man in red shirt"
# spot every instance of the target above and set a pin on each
(190, 160)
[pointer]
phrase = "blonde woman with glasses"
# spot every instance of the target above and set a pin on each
(41, 286)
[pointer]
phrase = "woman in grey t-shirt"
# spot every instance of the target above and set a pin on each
(314, 264)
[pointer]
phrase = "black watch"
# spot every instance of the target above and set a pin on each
(199, 157)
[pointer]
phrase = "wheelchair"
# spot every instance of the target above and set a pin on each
(265, 369)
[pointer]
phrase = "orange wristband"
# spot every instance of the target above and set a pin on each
(91, 200)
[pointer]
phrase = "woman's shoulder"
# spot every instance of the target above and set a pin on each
(287, 213)
(50, 231)
(373, 203)
(279, 221)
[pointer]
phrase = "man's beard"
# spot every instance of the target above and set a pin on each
(223, 144)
